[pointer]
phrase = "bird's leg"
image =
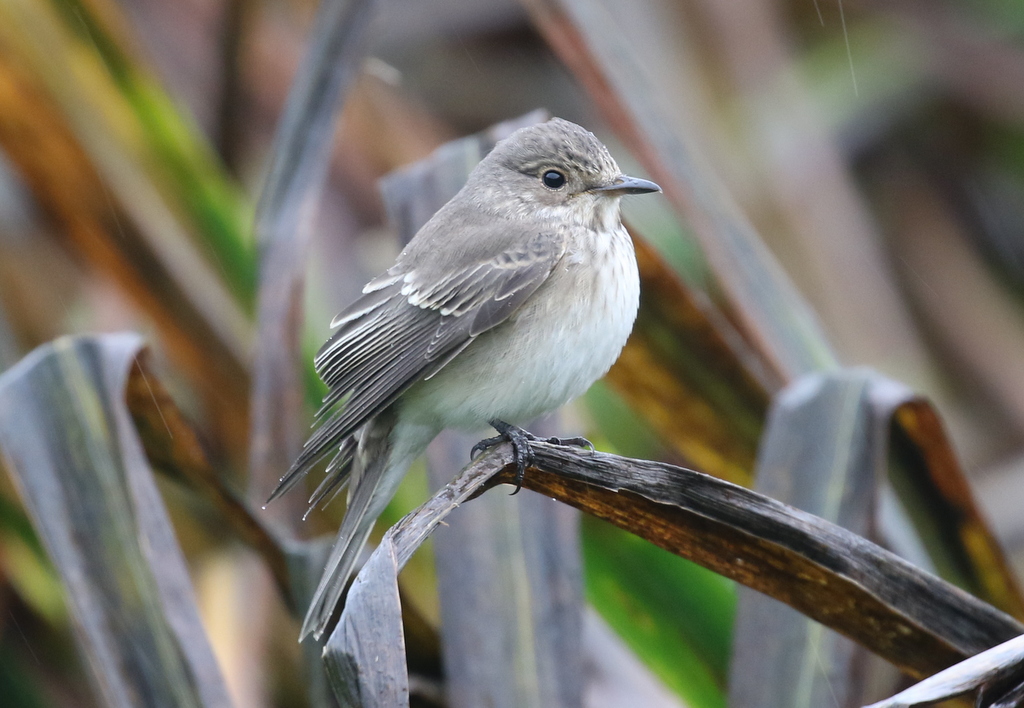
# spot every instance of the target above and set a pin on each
(522, 452)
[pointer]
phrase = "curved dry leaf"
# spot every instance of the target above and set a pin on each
(299, 160)
(826, 451)
(818, 454)
(362, 653)
(914, 620)
(933, 473)
(71, 446)
(365, 654)
(989, 668)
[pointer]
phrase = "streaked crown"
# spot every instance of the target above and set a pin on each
(556, 143)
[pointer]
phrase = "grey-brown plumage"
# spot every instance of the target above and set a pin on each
(515, 297)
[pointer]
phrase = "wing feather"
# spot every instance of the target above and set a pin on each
(405, 327)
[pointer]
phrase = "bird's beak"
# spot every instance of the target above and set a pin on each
(624, 184)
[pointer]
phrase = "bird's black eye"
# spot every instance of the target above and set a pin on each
(553, 179)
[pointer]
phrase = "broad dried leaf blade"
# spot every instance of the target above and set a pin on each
(931, 483)
(362, 648)
(365, 655)
(820, 453)
(69, 442)
(599, 48)
(299, 161)
(914, 620)
(826, 449)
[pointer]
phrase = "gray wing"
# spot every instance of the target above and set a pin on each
(405, 328)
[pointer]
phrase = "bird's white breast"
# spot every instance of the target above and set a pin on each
(565, 337)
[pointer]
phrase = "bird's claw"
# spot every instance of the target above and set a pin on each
(484, 445)
(522, 451)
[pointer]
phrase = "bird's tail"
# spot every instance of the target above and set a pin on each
(380, 464)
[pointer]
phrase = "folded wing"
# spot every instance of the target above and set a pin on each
(407, 325)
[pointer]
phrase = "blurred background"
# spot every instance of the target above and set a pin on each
(876, 147)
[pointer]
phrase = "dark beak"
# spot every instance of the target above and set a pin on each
(625, 184)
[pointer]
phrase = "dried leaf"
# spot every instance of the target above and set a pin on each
(365, 662)
(822, 454)
(914, 620)
(929, 477)
(598, 50)
(69, 442)
(994, 666)
(299, 161)
(365, 654)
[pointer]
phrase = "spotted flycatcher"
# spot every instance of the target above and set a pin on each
(511, 301)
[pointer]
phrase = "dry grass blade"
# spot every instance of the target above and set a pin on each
(827, 446)
(173, 447)
(819, 454)
(362, 653)
(914, 620)
(365, 655)
(43, 145)
(995, 667)
(70, 444)
(597, 48)
(299, 163)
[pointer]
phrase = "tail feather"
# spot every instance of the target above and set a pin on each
(347, 547)
(378, 467)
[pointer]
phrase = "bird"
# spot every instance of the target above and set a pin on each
(514, 298)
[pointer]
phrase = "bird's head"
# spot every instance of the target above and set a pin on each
(555, 169)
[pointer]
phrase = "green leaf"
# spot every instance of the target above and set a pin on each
(674, 614)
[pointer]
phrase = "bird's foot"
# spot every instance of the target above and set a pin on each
(522, 452)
